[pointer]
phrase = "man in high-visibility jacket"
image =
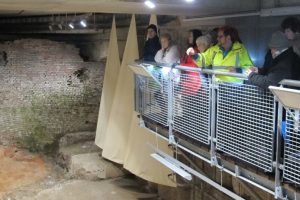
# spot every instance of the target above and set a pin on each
(229, 55)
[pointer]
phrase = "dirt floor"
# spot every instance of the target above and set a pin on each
(27, 176)
(19, 168)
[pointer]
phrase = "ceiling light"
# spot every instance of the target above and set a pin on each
(189, 1)
(150, 4)
(83, 23)
(71, 25)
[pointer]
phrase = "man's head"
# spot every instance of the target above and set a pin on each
(290, 26)
(151, 31)
(278, 43)
(227, 36)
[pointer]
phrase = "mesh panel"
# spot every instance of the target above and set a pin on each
(245, 124)
(191, 106)
(153, 99)
(292, 149)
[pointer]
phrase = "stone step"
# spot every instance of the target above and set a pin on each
(74, 138)
(65, 153)
(91, 166)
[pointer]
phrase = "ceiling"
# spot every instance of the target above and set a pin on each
(165, 7)
(28, 15)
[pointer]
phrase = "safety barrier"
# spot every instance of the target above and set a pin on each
(152, 98)
(237, 120)
(191, 106)
(245, 123)
(291, 170)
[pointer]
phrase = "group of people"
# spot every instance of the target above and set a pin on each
(222, 50)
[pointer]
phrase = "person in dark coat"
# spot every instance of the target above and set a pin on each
(152, 44)
(277, 67)
(291, 28)
(296, 66)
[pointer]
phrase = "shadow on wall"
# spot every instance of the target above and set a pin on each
(3, 59)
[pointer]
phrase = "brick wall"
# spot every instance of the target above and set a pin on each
(46, 87)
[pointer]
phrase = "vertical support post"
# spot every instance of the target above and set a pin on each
(278, 187)
(213, 139)
(136, 94)
(296, 121)
(139, 93)
(170, 106)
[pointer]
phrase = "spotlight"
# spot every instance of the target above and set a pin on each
(150, 4)
(50, 27)
(60, 26)
(83, 23)
(71, 25)
(189, 1)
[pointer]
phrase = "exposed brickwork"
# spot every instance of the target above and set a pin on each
(46, 86)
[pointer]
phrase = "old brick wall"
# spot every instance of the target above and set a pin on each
(46, 90)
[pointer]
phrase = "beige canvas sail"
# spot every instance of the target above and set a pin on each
(153, 20)
(109, 84)
(138, 160)
(118, 128)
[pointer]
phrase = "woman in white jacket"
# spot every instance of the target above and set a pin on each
(168, 53)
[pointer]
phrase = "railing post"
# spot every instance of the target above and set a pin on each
(170, 106)
(278, 186)
(213, 139)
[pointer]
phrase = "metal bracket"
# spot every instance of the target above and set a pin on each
(279, 165)
(214, 161)
(278, 193)
(141, 122)
(172, 139)
(237, 171)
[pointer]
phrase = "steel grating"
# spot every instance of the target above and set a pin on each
(291, 170)
(153, 99)
(191, 106)
(245, 124)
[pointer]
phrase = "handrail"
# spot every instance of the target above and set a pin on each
(206, 71)
(214, 72)
(288, 82)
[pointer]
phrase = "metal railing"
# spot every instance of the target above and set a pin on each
(245, 123)
(290, 137)
(152, 98)
(291, 170)
(235, 119)
(191, 106)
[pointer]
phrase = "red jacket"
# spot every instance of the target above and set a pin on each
(190, 82)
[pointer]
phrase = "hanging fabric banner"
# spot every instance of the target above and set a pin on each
(138, 160)
(118, 127)
(109, 84)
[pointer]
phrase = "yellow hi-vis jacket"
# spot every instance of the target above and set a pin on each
(237, 57)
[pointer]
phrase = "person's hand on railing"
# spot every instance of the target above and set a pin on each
(190, 51)
(232, 69)
(251, 69)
